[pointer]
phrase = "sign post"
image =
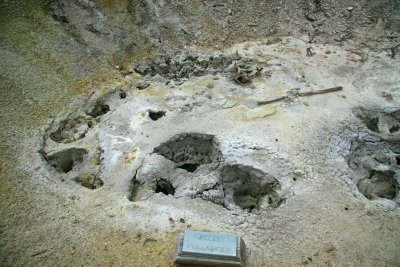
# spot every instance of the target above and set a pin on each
(210, 249)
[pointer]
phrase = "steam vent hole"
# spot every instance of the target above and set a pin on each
(165, 187)
(66, 160)
(190, 150)
(155, 115)
(246, 186)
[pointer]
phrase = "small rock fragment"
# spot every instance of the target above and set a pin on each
(142, 85)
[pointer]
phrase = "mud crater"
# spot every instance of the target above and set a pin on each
(78, 165)
(247, 187)
(72, 129)
(374, 158)
(190, 150)
(191, 165)
(77, 124)
(67, 160)
(67, 154)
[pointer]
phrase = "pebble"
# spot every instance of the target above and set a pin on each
(350, 8)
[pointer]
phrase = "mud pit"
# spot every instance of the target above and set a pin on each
(247, 187)
(170, 135)
(189, 151)
(374, 158)
(198, 149)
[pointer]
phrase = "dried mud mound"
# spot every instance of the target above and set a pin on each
(175, 70)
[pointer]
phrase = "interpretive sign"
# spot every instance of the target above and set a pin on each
(210, 243)
(210, 248)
